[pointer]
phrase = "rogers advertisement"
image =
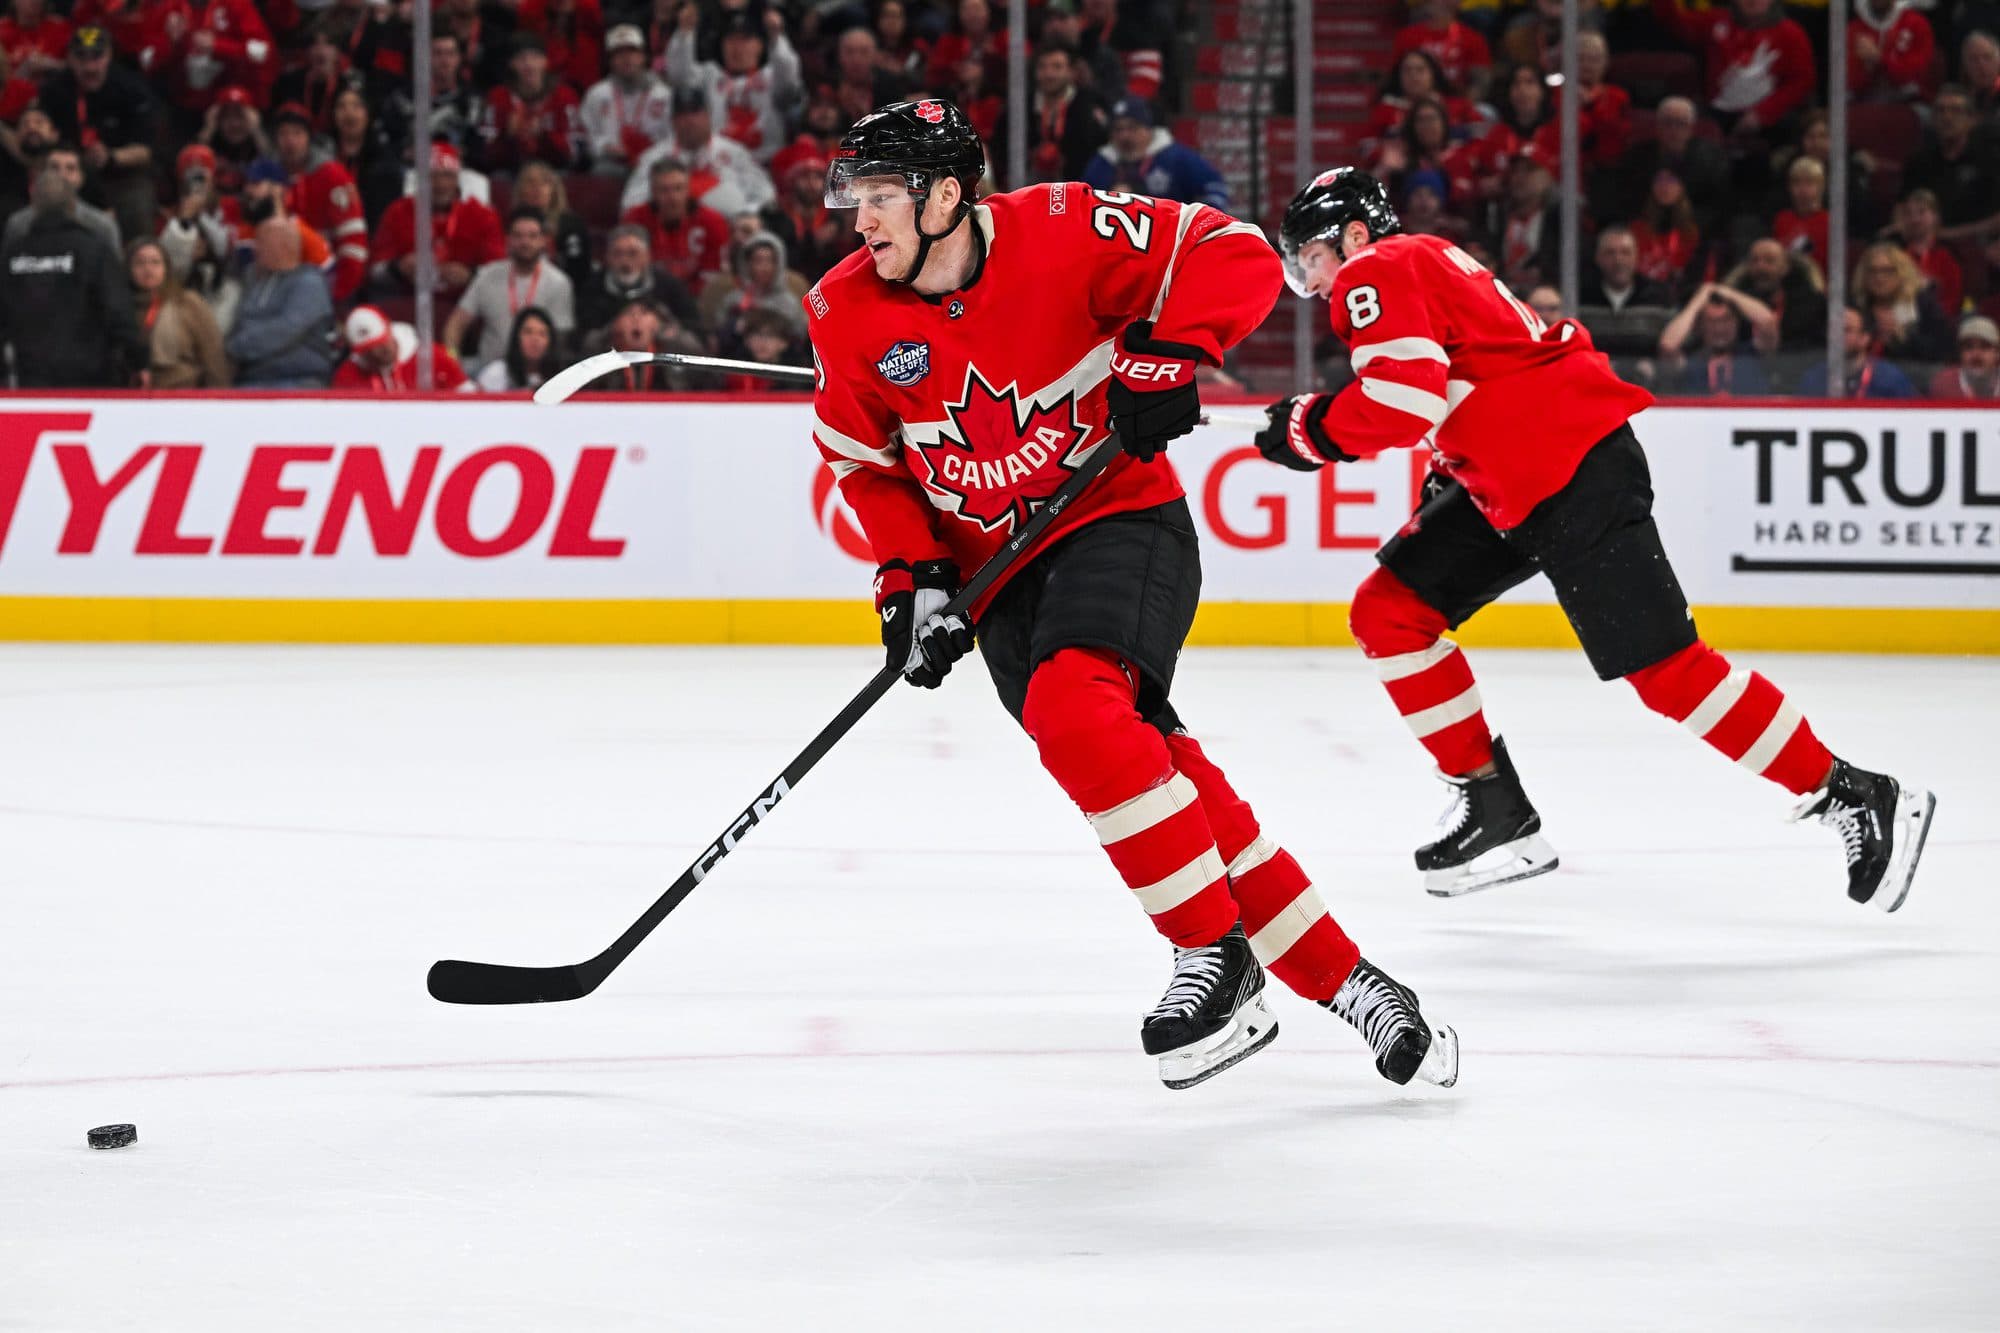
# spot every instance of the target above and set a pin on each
(706, 499)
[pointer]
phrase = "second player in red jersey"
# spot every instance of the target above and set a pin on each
(970, 357)
(1536, 471)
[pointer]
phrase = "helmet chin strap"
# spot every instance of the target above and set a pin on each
(925, 240)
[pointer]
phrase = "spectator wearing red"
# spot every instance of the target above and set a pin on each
(1128, 34)
(465, 233)
(1669, 239)
(1604, 110)
(195, 50)
(971, 93)
(630, 109)
(815, 237)
(1760, 63)
(751, 89)
(1917, 229)
(313, 84)
(533, 116)
(320, 191)
(573, 33)
(34, 39)
(899, 50)
(16, 94)
(383, 357)
(1422, 142)
(1977, 374)
(688, 240)
(1414, 77)
(1802, 228)
(1457, 47)
(973, 36)
(127, 21)
(234, 130)
(1890, 47)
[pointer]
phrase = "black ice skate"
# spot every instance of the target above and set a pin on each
(1213, 1014)
(1385, 1012)
(1490, 834)
(1882, 826)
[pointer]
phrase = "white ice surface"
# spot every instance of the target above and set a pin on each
(882, 1072)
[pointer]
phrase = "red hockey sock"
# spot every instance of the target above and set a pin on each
(1290, 929)
(1428, 679)
(1738, 712)
(1081, 712)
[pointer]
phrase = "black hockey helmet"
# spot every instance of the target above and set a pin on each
(922, 142)
(1322, 210)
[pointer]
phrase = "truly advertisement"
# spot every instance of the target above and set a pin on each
(720, 501)
(1830, 506)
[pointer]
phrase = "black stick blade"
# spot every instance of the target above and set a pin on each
(457, 982)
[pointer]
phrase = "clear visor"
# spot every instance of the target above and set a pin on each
(1305, 265)
(850, 184)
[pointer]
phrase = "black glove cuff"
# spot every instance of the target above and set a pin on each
(1315, 424)
(941, 574)
(1138, 337)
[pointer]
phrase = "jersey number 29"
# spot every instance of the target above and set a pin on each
(1122, 213)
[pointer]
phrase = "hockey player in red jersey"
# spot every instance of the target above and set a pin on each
(969, 357)
(1536, 470)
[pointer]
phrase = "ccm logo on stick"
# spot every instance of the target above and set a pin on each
(760, 810)
(1132, 368)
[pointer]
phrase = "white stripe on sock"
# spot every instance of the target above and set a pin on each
(1409, 664)
(1285, 929)
(1761, 755)
(1183, 884)
(1429, 721)
(1256, 854)
(1719, 701)
(1144, 810)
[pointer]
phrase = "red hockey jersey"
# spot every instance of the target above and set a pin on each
(198, 49)
(1766, 68)
(514, 131)
(1448, 358)
(947, 423)
(327, 198)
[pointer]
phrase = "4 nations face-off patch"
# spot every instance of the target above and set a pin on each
(905, 363)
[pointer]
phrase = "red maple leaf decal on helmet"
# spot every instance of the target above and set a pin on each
(930, 111)
(997, 460)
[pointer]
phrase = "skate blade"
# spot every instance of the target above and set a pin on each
(1440, 1066)
(1523, 858)
(1914, 809)
(1253, 1028)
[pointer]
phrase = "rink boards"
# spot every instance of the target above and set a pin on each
(706, 520)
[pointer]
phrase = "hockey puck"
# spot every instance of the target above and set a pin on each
(113, 1136)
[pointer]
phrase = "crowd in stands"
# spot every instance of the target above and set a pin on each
(1705, 150)
(216, 193)
(203, 193)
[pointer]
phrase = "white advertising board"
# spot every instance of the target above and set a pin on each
(705, 499)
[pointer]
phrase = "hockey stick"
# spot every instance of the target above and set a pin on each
(569, 381)
(457, 982)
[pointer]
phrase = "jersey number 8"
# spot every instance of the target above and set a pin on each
(1364, 306)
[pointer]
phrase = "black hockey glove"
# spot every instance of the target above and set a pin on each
(1151, 392)
(922, 641)
(1296, 436)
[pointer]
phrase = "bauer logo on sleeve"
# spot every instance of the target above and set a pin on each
(905, 363)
